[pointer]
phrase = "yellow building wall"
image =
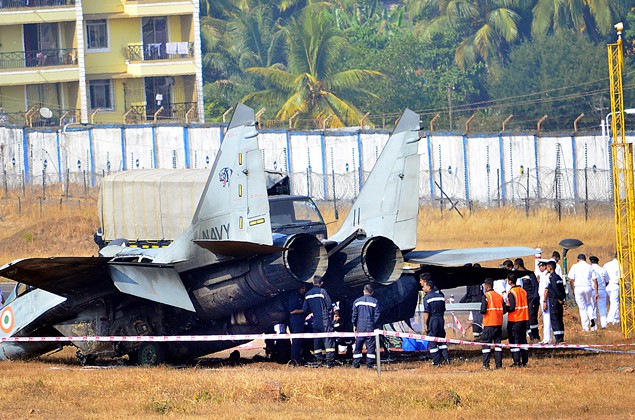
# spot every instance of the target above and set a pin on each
(12, 98)
(121, 33)
(11, 38)
(102, 6)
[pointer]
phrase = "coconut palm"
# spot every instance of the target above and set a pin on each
(312, 87)
(590, 17)
(488, 26)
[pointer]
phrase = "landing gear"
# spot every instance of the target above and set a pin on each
(150, 354)
(85, 359)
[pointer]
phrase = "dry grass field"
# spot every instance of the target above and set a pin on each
(557, 384)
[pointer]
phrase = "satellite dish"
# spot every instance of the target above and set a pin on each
(45, 112)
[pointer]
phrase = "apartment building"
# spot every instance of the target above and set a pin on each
(100, 61)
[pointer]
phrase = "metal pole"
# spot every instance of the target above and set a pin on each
(498, 187)
(441, 189)
(586, 194)
(527, 199)
(337, 216)
(377, 353)
(450, 104)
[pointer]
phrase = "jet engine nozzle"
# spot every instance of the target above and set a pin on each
(377, 260)
(305, 257)
(382, 260)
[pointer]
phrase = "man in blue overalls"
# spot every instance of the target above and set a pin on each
(365, 319)
(318, 302)
(433, 313)
(296, 323)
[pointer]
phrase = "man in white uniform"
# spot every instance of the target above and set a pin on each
(582, 281)
(613, 289)
(600, 296)
(543, 282)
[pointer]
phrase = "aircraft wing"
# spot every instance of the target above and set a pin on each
(64, 276)
(467, 255)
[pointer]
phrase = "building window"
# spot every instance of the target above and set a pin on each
(97, 34)
(101, 94)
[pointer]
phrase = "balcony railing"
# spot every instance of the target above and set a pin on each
(33, 118)
(160, 51)
(22, 4)
(178, 111)
(42, 58)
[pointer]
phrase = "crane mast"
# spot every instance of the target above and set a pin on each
(623, 190)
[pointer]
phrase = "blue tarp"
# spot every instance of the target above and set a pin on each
(412, 344)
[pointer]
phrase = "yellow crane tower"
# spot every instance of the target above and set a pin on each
(623, 189)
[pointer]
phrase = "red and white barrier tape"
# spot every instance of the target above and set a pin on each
(191, 338)
(506, 345)
(250, 337)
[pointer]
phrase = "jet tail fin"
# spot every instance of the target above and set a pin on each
(389, 201)
(234, 205)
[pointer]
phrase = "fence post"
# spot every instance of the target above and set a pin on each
(337, 216)
(527, 199)
(44, 183)
(586, 193)
(378, 353)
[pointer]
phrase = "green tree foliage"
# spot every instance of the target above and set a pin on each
(560, 76)
(249, 37)
(486, 26)
(313, 88)
(275, 55)
(367, 22)
(418, 74)
(590, 17)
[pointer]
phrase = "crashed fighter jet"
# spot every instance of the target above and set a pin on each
(228, 274)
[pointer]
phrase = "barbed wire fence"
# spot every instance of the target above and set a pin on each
(585, 191)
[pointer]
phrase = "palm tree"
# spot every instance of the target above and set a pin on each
(488, 26)
(312, 87)
(591, 17)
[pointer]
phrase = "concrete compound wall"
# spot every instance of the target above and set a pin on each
(480, 168)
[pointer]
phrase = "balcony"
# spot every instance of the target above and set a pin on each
(161, 59)
(43, 66)
(42, 58)
(12, 12)
(34, 118)
(186, 112)
(162, 51)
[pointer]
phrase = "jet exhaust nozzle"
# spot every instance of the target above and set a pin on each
(304, 258)
(376, 260)
(382, 260)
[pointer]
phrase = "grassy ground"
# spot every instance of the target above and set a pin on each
(558, 384)
(565, 384)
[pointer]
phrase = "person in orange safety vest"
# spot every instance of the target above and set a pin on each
(517, 319)
(492, 307)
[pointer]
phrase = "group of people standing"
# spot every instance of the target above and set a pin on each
(522, 295)
(592, 285)
(316, 304)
